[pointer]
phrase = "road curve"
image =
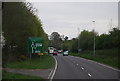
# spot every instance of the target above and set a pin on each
(71, 67)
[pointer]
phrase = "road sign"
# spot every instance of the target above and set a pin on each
(35, 45)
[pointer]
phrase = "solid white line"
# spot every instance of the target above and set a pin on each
(54, 69)
(50, 74)
(82, 68)
(89, 74)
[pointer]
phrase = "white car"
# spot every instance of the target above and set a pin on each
(65, 53)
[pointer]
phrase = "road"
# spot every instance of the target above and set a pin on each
(70, 67)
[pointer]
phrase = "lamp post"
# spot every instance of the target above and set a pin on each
(94, 38)
(78, 40)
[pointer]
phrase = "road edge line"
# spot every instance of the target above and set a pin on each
(52, 73)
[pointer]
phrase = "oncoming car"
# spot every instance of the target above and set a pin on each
(65, 53)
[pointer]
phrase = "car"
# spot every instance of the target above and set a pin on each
(59, 51)
(55, 52)
(65, 53)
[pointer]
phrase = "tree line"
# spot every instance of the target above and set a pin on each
(85, 41)
(19, 21)
(103, 41)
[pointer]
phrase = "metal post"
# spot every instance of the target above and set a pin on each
(94, 38)
(78, 40)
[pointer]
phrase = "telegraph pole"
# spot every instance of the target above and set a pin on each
(94, 38)
(78, 41)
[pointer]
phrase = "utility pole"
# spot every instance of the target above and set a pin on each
(94, 38)
(110, 24)
(78, 40)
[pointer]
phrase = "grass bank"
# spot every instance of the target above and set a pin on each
(14, 76)
(45, 62)
(107, 56)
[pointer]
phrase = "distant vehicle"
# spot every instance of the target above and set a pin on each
(59, 51)
(65, 53)
(55, 52)
(51, 50)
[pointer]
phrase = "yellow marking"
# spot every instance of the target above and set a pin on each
(40, 54)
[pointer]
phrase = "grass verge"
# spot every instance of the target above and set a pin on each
(9, 75)
(108, 56)
(45, 62)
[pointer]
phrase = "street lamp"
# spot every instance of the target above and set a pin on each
(78, 40)
(94, 38)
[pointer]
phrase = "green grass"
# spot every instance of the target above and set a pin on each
(108, 56)
(45, 62)
(9, 75)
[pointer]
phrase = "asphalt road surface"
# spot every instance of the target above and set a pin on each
(70, 67)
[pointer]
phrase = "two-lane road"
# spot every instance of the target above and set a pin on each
(70, 67)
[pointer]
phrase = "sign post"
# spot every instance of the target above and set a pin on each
(35, 45)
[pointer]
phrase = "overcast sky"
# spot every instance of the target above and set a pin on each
(66, 17)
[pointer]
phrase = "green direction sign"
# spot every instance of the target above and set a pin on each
(35, 45)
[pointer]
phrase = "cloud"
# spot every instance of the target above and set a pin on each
(66, 18)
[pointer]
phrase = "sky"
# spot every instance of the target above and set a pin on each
(70, 18)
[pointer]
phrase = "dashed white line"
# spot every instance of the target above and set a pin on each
(82, 68)
(89, 74)
(101, 64)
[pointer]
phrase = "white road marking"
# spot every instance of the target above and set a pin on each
(54, 69)
(89, 74)
(100, 64)
(50, 74)
(77, 64)
(82, 68)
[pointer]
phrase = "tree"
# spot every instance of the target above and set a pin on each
(86, 39)
(114, 37)
(74, 45)
(19, 23)
(56, 40)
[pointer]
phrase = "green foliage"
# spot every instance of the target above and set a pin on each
(22, 58)
(44, 62)
(55, 40)
(67, 45)
(13, 76)
(74, 45)
(106, 56)
(114, 37)
(103, 41)
(86, 39)
(19, 23)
